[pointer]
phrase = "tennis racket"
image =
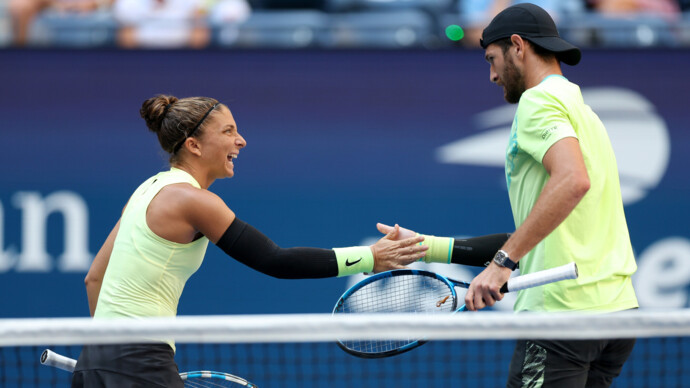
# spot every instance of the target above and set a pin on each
(419, 292)
(198, 379)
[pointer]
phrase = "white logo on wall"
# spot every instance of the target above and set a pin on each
(638, 135)
(35, 211)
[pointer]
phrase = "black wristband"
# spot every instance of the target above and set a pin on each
(478, 251)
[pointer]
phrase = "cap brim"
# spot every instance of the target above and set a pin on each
(565, 52)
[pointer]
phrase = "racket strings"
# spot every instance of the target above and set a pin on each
(397, 294)
(204, 383)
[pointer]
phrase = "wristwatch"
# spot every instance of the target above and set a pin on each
(502, 260)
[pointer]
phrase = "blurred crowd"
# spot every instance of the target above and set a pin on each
(480, 12)
(142, 23)
(189, 23)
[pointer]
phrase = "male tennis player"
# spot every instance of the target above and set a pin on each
(161, 239)
(565, 195)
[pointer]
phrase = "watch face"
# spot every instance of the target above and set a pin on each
(500, 258)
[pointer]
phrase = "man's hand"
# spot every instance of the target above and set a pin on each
(485, 288)
(402, 234)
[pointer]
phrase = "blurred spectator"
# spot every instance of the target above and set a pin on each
(476, 14)
(174, 23)
(684, 5)
(626, 7)
(23, 12)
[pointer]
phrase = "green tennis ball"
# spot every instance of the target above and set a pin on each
(454, 32)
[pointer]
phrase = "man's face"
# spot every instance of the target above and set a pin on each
(504, 72)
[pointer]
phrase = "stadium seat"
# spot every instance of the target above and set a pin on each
(635, 31)
(382, 29)
(684, 30)
(434, 6)
(274, 29)
(56, 29)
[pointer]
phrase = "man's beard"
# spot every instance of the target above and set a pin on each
(513, 82)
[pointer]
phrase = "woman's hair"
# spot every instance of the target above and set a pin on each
(174, 120)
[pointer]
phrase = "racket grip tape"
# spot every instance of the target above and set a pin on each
(50, 358)
(568, 271)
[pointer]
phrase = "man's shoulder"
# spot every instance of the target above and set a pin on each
(554, 89)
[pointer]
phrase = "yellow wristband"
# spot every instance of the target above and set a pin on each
(440, 249)
(354, 260)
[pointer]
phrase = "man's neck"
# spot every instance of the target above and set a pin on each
(539, 69)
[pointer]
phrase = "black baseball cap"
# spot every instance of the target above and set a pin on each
(533, 23)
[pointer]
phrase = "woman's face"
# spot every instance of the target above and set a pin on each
(221, 143)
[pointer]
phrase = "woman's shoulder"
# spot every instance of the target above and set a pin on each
(189, 196)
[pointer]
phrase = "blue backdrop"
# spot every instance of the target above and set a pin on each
(336, 142)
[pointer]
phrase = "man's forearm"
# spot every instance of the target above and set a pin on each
(556, 202)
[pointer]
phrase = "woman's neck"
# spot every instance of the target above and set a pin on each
(198, 174)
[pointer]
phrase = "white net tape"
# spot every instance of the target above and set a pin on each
(325, 327)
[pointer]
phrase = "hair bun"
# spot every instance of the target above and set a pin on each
(153, 111)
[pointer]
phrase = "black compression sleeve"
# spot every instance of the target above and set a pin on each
(478, 251)
(252, 248)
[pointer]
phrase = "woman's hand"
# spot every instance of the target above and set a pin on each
(396, 252)
(402, 234)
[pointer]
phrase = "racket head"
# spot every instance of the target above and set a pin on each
(205, 378)
(398, 291)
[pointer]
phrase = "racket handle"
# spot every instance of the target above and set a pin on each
(50, 358)
(568, 271)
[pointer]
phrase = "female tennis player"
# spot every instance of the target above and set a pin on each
(162, 235)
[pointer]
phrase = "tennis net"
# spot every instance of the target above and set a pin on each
(468, 349)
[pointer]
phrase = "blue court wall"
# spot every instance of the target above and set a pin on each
(337, 141)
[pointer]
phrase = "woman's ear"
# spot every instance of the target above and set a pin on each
(193, 146)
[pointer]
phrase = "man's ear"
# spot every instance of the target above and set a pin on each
(518, 45)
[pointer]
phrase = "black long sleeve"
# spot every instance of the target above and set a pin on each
(249, 246)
